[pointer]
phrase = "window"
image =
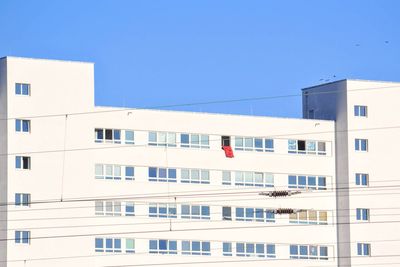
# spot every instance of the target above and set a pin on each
(227, 249)
(22, 89)
(306, 147)
(196, 248)
(129, 209)
(109, 208)
(362, 214)
(195, 212)
(255, 215)
(107, 135)
(307, 182)
(22, 126)
(129, 137)
(163, 246)
(254, 179)
(162, 139)
(162, 174)
(109, 172)
(363, 249)
(360, 111)
(195, 176)
(226, 213)
(362, 179)
(361, 144)
(22, 162)
(195, 140)
(225, 141)
(162, 210)
(22, 199)
(108, 245)
(254, 144)
(255, 250)
(309, 217)
(22, 237)
(130, 245)
(129, 173)
(226, 178)
(308, 252)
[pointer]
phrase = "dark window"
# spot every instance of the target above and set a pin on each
(225, 140)
(301, 145)
(227, 213)
(109, 134)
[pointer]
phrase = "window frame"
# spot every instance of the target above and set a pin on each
(170, 174)
(21, 89)
(156, 210)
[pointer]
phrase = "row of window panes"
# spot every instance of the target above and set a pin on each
(254, 215)
(162, 174)
(307, 182)
(114, 172)
(258, 179)
(114, 136)
(309, 217)
(195, 140)
(308, 252)
(254, 144)
(195, 176)
(306, 147)
(247, 249)
(203, 141)
(114, 245)
(248, 178)
(114, 208)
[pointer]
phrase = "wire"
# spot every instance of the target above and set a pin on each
(202, 103)
(194, 229)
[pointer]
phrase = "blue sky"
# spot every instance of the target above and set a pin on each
(150, 53)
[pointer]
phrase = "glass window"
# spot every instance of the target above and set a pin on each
(129, 137)
(362, 179)
(99, 245)
(227, 213)
(184, 140)
(292, 181)
(294, 251)
(227, 249)
(269, 145)
(129, 209)
(130, 245)
(22, 89)
(226, 177)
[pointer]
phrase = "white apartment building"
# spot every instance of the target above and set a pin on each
(83, 185)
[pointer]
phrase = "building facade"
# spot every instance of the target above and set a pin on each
(83, 185)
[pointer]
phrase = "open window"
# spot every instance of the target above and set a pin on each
(225, 141)
(301, 146)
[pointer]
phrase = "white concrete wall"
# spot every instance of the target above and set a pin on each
(380, 127)
(69, 176)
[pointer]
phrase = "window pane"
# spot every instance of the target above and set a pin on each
(152, 137)
(184, 138)
(152, 172)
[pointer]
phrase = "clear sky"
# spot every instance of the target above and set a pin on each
(149, 53)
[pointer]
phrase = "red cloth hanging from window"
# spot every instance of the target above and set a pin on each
(228, 151)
